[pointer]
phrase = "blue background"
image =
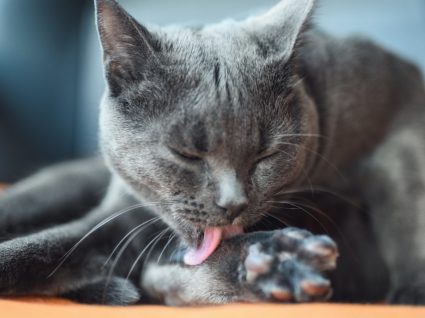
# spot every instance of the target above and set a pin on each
(50, 66)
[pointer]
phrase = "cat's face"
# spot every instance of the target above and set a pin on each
(209, 124)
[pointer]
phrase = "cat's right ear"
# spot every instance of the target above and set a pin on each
(127, 45)
(282, 25)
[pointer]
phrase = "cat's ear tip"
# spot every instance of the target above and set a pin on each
(106, 1)
(298, 3)
(107, 9)
(100, 4)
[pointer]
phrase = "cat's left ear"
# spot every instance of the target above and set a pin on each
(127, 45)
(282, 25)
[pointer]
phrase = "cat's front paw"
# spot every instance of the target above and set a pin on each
(288, 266)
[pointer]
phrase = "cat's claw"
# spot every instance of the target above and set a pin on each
(288, 267)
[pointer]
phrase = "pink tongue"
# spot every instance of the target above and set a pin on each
(211, 240)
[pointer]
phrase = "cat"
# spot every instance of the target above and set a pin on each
(216, 141)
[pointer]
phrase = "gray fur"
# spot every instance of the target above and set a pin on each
(232, 123)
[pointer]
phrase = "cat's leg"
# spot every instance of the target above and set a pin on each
(395, 188)
(116, 291)
(280, 266)
(27, 262)
(46, 263)
(52, 196)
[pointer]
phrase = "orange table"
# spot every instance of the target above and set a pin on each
(62, 309)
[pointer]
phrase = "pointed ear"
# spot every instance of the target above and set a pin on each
(281, 26)
(127, 45)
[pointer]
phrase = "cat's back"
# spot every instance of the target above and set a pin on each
(355, 58)
(362, 91)
(357, 71)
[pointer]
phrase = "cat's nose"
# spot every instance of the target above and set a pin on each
(231, 196)
(233, 209)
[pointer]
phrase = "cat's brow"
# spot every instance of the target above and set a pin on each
(200, 136)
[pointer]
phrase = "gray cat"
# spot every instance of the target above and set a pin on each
(217, 140)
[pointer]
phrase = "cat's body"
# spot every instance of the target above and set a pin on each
(212, 128)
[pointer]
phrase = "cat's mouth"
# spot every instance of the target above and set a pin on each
(211, 239)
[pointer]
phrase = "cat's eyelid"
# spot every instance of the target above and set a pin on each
(267, 153)
(181, 153)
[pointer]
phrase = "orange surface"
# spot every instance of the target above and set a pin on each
(62, 309)
(44, 308)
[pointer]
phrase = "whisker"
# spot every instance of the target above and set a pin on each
(170, 239)
(335, 226)
(173, 253)
(320, 189)
(140, 226)
(300, 207)
(154, 245)
(267, 214)
(97, 227)
(266, 219)
(345, 241)
(121, 252)
(330, 164)
(304, 171)
(124, 247)
(299, 135)
(144, 250)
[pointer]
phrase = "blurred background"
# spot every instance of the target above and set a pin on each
(50, 63)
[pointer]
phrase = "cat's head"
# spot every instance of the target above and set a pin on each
(208, 123)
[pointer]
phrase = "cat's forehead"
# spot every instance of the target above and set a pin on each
(218, 65)
(207, 89)
(207, 129)
(210, 45)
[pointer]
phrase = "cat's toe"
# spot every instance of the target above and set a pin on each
(317, 251)
(316, 288)
(320, 252)
(287, 266)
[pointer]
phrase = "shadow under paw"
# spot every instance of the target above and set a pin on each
(413, 294)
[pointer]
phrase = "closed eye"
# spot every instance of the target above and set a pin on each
(267, 155)
(181, 154)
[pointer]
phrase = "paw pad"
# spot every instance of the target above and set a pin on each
(314, 288)
(281, 294)
(257, 262)
(287, 266)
